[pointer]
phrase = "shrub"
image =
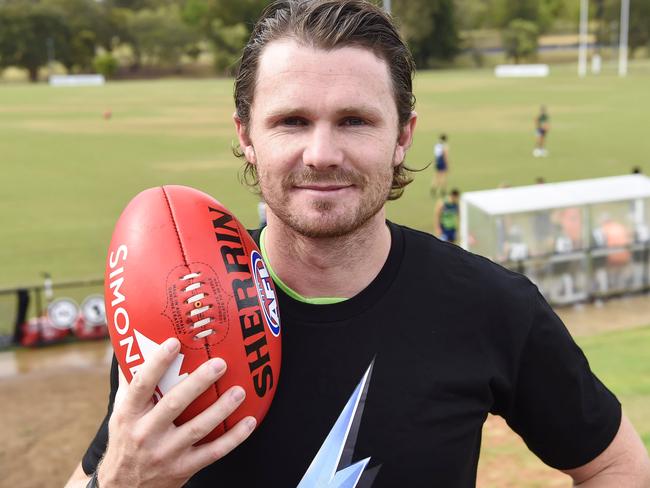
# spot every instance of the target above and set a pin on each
(105, 64)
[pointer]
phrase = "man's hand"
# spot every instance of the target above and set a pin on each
(145, 448)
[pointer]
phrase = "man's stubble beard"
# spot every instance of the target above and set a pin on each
(374, 194)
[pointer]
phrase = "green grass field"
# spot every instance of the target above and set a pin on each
(67, 172)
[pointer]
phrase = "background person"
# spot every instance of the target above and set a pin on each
(432, 338)
(446, 217)
(441, 158)
(542, 126)
(618, 269)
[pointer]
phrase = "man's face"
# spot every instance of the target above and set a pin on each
(324, 137)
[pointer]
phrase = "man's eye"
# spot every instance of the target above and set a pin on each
(293, 121)
(354, 121)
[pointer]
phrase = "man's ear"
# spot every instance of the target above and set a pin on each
(404, 139)
(245, 142)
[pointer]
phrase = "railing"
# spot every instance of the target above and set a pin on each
(588, 274)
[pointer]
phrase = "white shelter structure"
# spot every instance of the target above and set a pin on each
(576, 239)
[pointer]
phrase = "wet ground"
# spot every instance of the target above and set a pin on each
(71, 356)
(615, 314)
(53, 399)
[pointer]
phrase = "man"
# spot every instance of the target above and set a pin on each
(446, 217)
(441, 156)
(395, 345)
(542, 125)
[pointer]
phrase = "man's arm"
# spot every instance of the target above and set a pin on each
(624, 463)
(145, 448)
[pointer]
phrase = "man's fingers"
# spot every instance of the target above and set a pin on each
(206, 454)
(121, 390)
(197, 428)
(178, 398)
(143, 384)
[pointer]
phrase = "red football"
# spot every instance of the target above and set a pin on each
(181, 265)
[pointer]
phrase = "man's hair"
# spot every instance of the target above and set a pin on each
(443, 137)
(329, 24)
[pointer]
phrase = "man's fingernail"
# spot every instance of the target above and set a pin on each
(238, 394)
(172, 345)
(218, 365)
(250, 422)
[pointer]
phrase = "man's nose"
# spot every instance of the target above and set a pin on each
(323, 148)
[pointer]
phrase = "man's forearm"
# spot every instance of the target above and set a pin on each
(605, 480)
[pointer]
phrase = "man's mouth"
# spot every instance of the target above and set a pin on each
(323, 188)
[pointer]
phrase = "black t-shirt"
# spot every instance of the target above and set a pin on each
(451, 336)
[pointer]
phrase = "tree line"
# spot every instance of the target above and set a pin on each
(86, 35)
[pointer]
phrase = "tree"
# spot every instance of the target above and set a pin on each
(117, 28)
(135, 5)
(471, 14)
(429, 27)
(520, 39)
(105, 64)
(84, 20)
(499, 13)
(227, 42)
(639, 28)
(25, 32)
(160, 35)
(639, 33)
(227, 24)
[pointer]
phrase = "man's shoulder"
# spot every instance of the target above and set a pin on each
(471, 291)
(459, 267)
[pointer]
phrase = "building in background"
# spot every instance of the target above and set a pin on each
(577, 240)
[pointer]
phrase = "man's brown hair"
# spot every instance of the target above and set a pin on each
(329, 24)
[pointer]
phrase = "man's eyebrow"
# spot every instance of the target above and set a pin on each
(350, 110)
(281, 112)
(362, 110)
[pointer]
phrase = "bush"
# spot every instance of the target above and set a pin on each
(520, 39)
(105, 64)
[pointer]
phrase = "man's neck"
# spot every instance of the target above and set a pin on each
(328, 267)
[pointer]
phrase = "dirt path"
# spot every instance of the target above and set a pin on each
(49, 415)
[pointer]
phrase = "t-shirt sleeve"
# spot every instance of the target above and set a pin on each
(563, 412)
(98, 445)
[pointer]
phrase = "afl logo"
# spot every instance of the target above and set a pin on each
(266, 293)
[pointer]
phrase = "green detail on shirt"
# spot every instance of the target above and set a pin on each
(542, 119)
(449, 215)
(293, 294)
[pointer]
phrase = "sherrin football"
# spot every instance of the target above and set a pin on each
(181, 265)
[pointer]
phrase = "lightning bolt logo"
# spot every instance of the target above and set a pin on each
(171, 377)
(338, 447)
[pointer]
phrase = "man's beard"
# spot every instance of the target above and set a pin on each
(374, 191)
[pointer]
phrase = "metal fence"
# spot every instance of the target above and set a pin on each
(587, 275)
